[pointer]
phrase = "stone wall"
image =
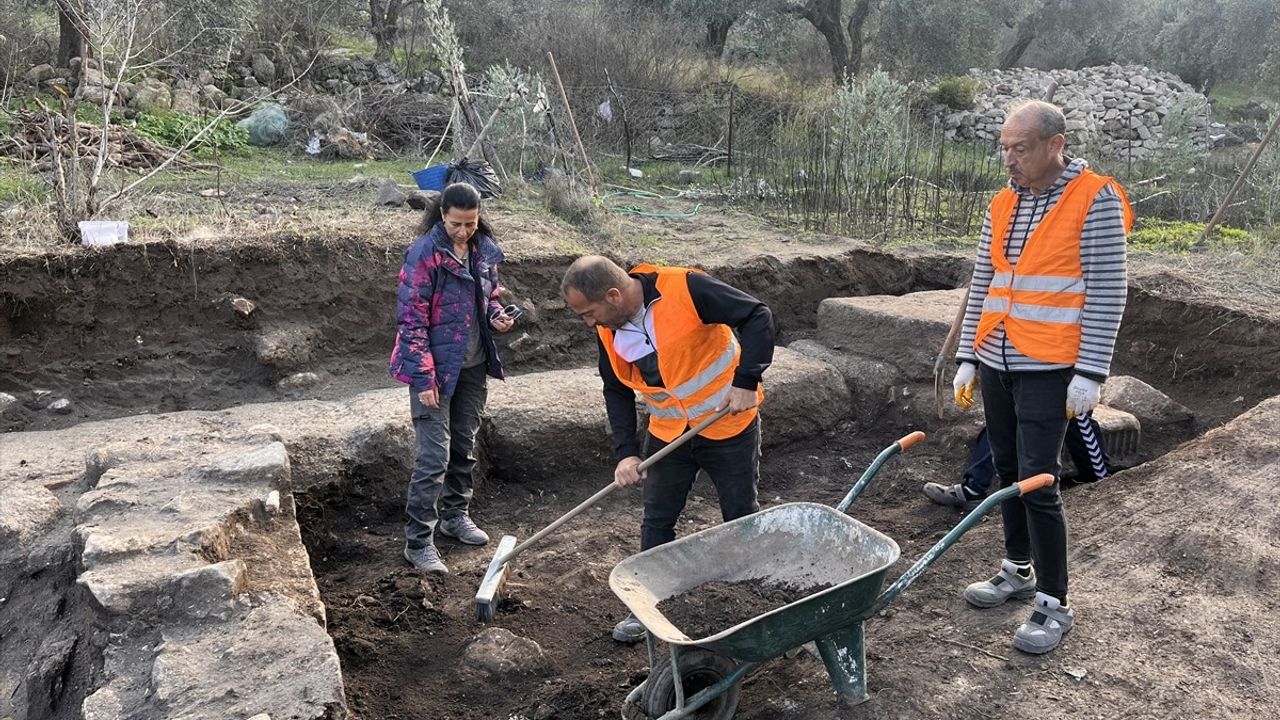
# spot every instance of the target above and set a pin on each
(1113, 111)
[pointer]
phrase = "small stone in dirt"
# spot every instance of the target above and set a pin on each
(1076, 672)
(61, 406)
(261, 716)
(243, 306)
(389, 195)
(543, 712)
(299, 380)
(211, 193)
(7, 401)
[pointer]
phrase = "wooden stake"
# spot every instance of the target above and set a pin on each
(591, 176)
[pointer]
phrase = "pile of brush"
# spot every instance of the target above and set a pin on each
(33, 136)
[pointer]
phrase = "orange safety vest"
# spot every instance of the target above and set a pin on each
(1041, 302)
(697, 362)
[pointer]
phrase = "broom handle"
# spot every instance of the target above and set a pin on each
(600, 495)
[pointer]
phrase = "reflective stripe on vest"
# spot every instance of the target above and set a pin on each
(697, 360)
(1041, 301)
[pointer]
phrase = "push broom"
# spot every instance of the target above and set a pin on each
(495, 578)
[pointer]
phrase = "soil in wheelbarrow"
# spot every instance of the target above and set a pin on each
(716, 606)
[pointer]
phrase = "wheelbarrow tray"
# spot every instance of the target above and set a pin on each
(800, 544)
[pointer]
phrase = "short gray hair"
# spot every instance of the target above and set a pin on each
(1049, 117)
(593, 276)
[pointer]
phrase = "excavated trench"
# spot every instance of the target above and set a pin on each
(151, 328)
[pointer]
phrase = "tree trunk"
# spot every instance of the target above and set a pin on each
(861, 12)
(69, 37)
(717, 34)
(1028, 30)
(824, 15)
(384, 24)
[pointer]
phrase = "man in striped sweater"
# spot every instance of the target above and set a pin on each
(1045, 303)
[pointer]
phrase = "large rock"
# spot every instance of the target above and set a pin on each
(27, 509)
(286, 347)
(870, 382)
(271, 661)
(498, 653)
(152, 94)
(804, 397)
(547, 426)
(1153, 408)
(906, 331)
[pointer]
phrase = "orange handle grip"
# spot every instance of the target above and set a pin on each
(1031, 484)
(910, 440)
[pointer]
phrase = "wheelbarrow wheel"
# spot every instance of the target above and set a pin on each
(699, 669)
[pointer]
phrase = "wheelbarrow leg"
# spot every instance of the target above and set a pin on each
(844, 653)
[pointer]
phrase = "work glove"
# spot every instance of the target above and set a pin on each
(1082, 396)
(964, 382)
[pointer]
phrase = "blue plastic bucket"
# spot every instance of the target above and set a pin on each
(432, 178)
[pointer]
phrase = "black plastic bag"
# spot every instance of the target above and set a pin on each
(477, 173)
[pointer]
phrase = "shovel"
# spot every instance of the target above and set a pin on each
(495, 578)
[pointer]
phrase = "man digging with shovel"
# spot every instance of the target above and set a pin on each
(668, 334)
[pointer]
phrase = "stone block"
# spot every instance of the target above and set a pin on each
(267, 464)
(906, 331)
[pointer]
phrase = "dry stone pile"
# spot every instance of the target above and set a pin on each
(1114, 111)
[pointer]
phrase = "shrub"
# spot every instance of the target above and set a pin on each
(957, 92)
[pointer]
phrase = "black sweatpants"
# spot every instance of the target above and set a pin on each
(1026, 423)
(733, 464)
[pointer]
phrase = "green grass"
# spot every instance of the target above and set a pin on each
(284, 166)
(1179, 237)
(20, 186)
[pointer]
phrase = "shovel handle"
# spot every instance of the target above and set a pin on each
(1031, 484)
(604, 492)
(671, 446)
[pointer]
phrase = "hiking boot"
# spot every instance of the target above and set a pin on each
(426, 559)
(630, 630)
(463, 529)
(1006, 584)
(1048, 623)
(951, 495)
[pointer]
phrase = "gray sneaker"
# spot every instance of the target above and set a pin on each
(950, 495)
(630, 630)
(463, 529)
(1048, 623)
(1006, 584)
(426, 559)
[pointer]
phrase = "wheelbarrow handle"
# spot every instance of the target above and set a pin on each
(1017, 489)
(607, 489)
(902, 444)
(1031, 484)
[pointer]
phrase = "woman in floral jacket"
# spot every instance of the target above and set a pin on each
(446, 312)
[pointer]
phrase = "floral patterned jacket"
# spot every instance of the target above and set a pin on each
(435, 310)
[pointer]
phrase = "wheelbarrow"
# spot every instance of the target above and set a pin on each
(799, 544)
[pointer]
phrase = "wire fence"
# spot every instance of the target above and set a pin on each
(794, 160)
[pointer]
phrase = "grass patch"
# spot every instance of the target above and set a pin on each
(1180, 237)
(22, 187)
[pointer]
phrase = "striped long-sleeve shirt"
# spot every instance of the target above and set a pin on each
(1102, 260)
